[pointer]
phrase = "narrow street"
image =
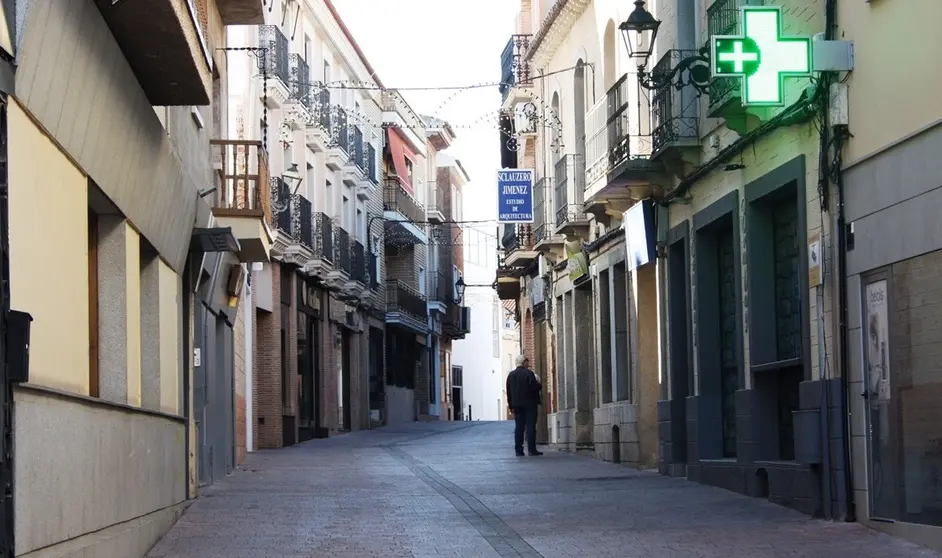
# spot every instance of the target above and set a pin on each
(456, 489)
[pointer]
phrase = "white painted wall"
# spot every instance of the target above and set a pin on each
(479, 352)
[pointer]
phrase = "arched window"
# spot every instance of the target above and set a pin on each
(609, 56)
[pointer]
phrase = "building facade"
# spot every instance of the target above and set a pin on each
(316, 330)
(710, 252)
(119, 106)
(478, 354)
(889, 186)
(582, 130)
(454, 316)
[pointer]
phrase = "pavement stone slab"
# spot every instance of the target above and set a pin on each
(455, 489)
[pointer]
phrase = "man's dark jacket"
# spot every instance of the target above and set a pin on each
(523, 389)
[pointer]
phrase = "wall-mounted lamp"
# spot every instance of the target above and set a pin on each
(640, 31)
(459, 290)
(292, 174)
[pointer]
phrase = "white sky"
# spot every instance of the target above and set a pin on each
(436, 43)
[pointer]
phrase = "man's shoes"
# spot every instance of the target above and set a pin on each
(535, 452)
(520, 454)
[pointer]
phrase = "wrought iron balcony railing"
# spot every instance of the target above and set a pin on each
(320, 113)
(541, 191)
(395, 198)
(300, 81)
(275, 59)
(242, 184)
(281, 205)
(302, 224)
(342, 250)
(673, 111)
(339, 129)
(359, 273)
(323, 237)
(616, 130)
(515, 70)
(723, 19)
(403, 298)
(570, 188)
(522, 238)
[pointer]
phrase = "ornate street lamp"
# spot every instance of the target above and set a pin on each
(292, 175)
(640, 30)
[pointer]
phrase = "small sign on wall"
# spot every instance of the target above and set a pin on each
(814, 260)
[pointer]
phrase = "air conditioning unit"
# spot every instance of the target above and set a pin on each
(464, 320)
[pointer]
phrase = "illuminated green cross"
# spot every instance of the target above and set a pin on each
(761, 56)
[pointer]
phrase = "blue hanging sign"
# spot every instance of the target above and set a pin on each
(515, 196)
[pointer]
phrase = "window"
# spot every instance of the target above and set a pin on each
(308, 50)
(408, 170)
(377, 260)
(422, 281)
(345, 213)
(361, 225)
(328, 198)
(326, 71)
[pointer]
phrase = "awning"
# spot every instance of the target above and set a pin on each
(400, 150)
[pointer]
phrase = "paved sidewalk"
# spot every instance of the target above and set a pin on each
(456, 489)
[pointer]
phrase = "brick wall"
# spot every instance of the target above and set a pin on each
(268, 371)
(267, 385)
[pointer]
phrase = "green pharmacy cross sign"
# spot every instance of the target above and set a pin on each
(761, 56)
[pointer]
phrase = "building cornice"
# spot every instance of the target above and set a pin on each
(554, 30)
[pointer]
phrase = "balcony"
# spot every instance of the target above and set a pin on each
(515, 70)
(436, 206)
(274, 65)
(372, 168)
(242, 199)
(439, 291)
(521, 251)
(618, 151)
(674, 121)
(299, 104)
(723, 19)
(360, 264)
(457, 323)
(317, 134)
(241, 12)
(165, 43)
(354, 171)
(570, 185)
(403, 214)
(544, 230)
(508, 284)
(337, 151)
(294, 242)
(321, 261)
(406, 307)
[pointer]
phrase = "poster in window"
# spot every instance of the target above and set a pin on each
(877, 331)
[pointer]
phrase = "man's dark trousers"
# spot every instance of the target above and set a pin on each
(525, 418)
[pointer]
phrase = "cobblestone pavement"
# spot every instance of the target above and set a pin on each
(456, 489)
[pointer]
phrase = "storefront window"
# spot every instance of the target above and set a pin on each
(902, 346)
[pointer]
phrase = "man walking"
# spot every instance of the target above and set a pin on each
(523, 397)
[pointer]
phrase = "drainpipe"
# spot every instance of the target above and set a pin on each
(187, 360)
(249, 316)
